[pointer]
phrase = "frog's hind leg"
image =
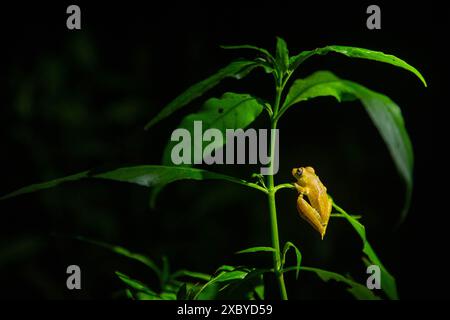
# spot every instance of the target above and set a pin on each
(311, 215)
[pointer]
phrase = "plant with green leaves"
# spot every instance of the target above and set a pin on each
(238, 111)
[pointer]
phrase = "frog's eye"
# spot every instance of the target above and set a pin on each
(299, 172)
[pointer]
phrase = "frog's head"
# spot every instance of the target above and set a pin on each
(297, 172)
(303, 173)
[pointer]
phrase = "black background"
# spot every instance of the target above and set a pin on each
(74, 100)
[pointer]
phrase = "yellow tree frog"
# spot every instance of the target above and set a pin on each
(317, 211)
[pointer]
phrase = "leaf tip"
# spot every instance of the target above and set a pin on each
(148, 125)
(4, 197)
(424, 82)
(12, 194)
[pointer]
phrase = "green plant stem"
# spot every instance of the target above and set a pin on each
(276, 106)
(275, 239)
(272, 205)
(284, 186)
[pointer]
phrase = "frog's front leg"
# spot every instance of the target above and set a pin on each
(301, 190)
(310, 214)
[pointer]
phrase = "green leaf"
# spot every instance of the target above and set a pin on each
(171, 286)
(258, 62)
(384, 113)
(358, 290)
(338, 215)
(126, 253)
(168, 296)
(388, 283)
(282, 55)
(354, 52)
(223, 274)
(266, 53)
(129, 294)
(236, 69)
(46, 185)
(298, 255)
(315, 85)
(256, 249)
(191, 274)
(224, 267)
(249, 288)
(206, 293)
(230, 276)
(231, 111)
(146, 175)
(146, 296)
(259, 291)
(134, 284)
